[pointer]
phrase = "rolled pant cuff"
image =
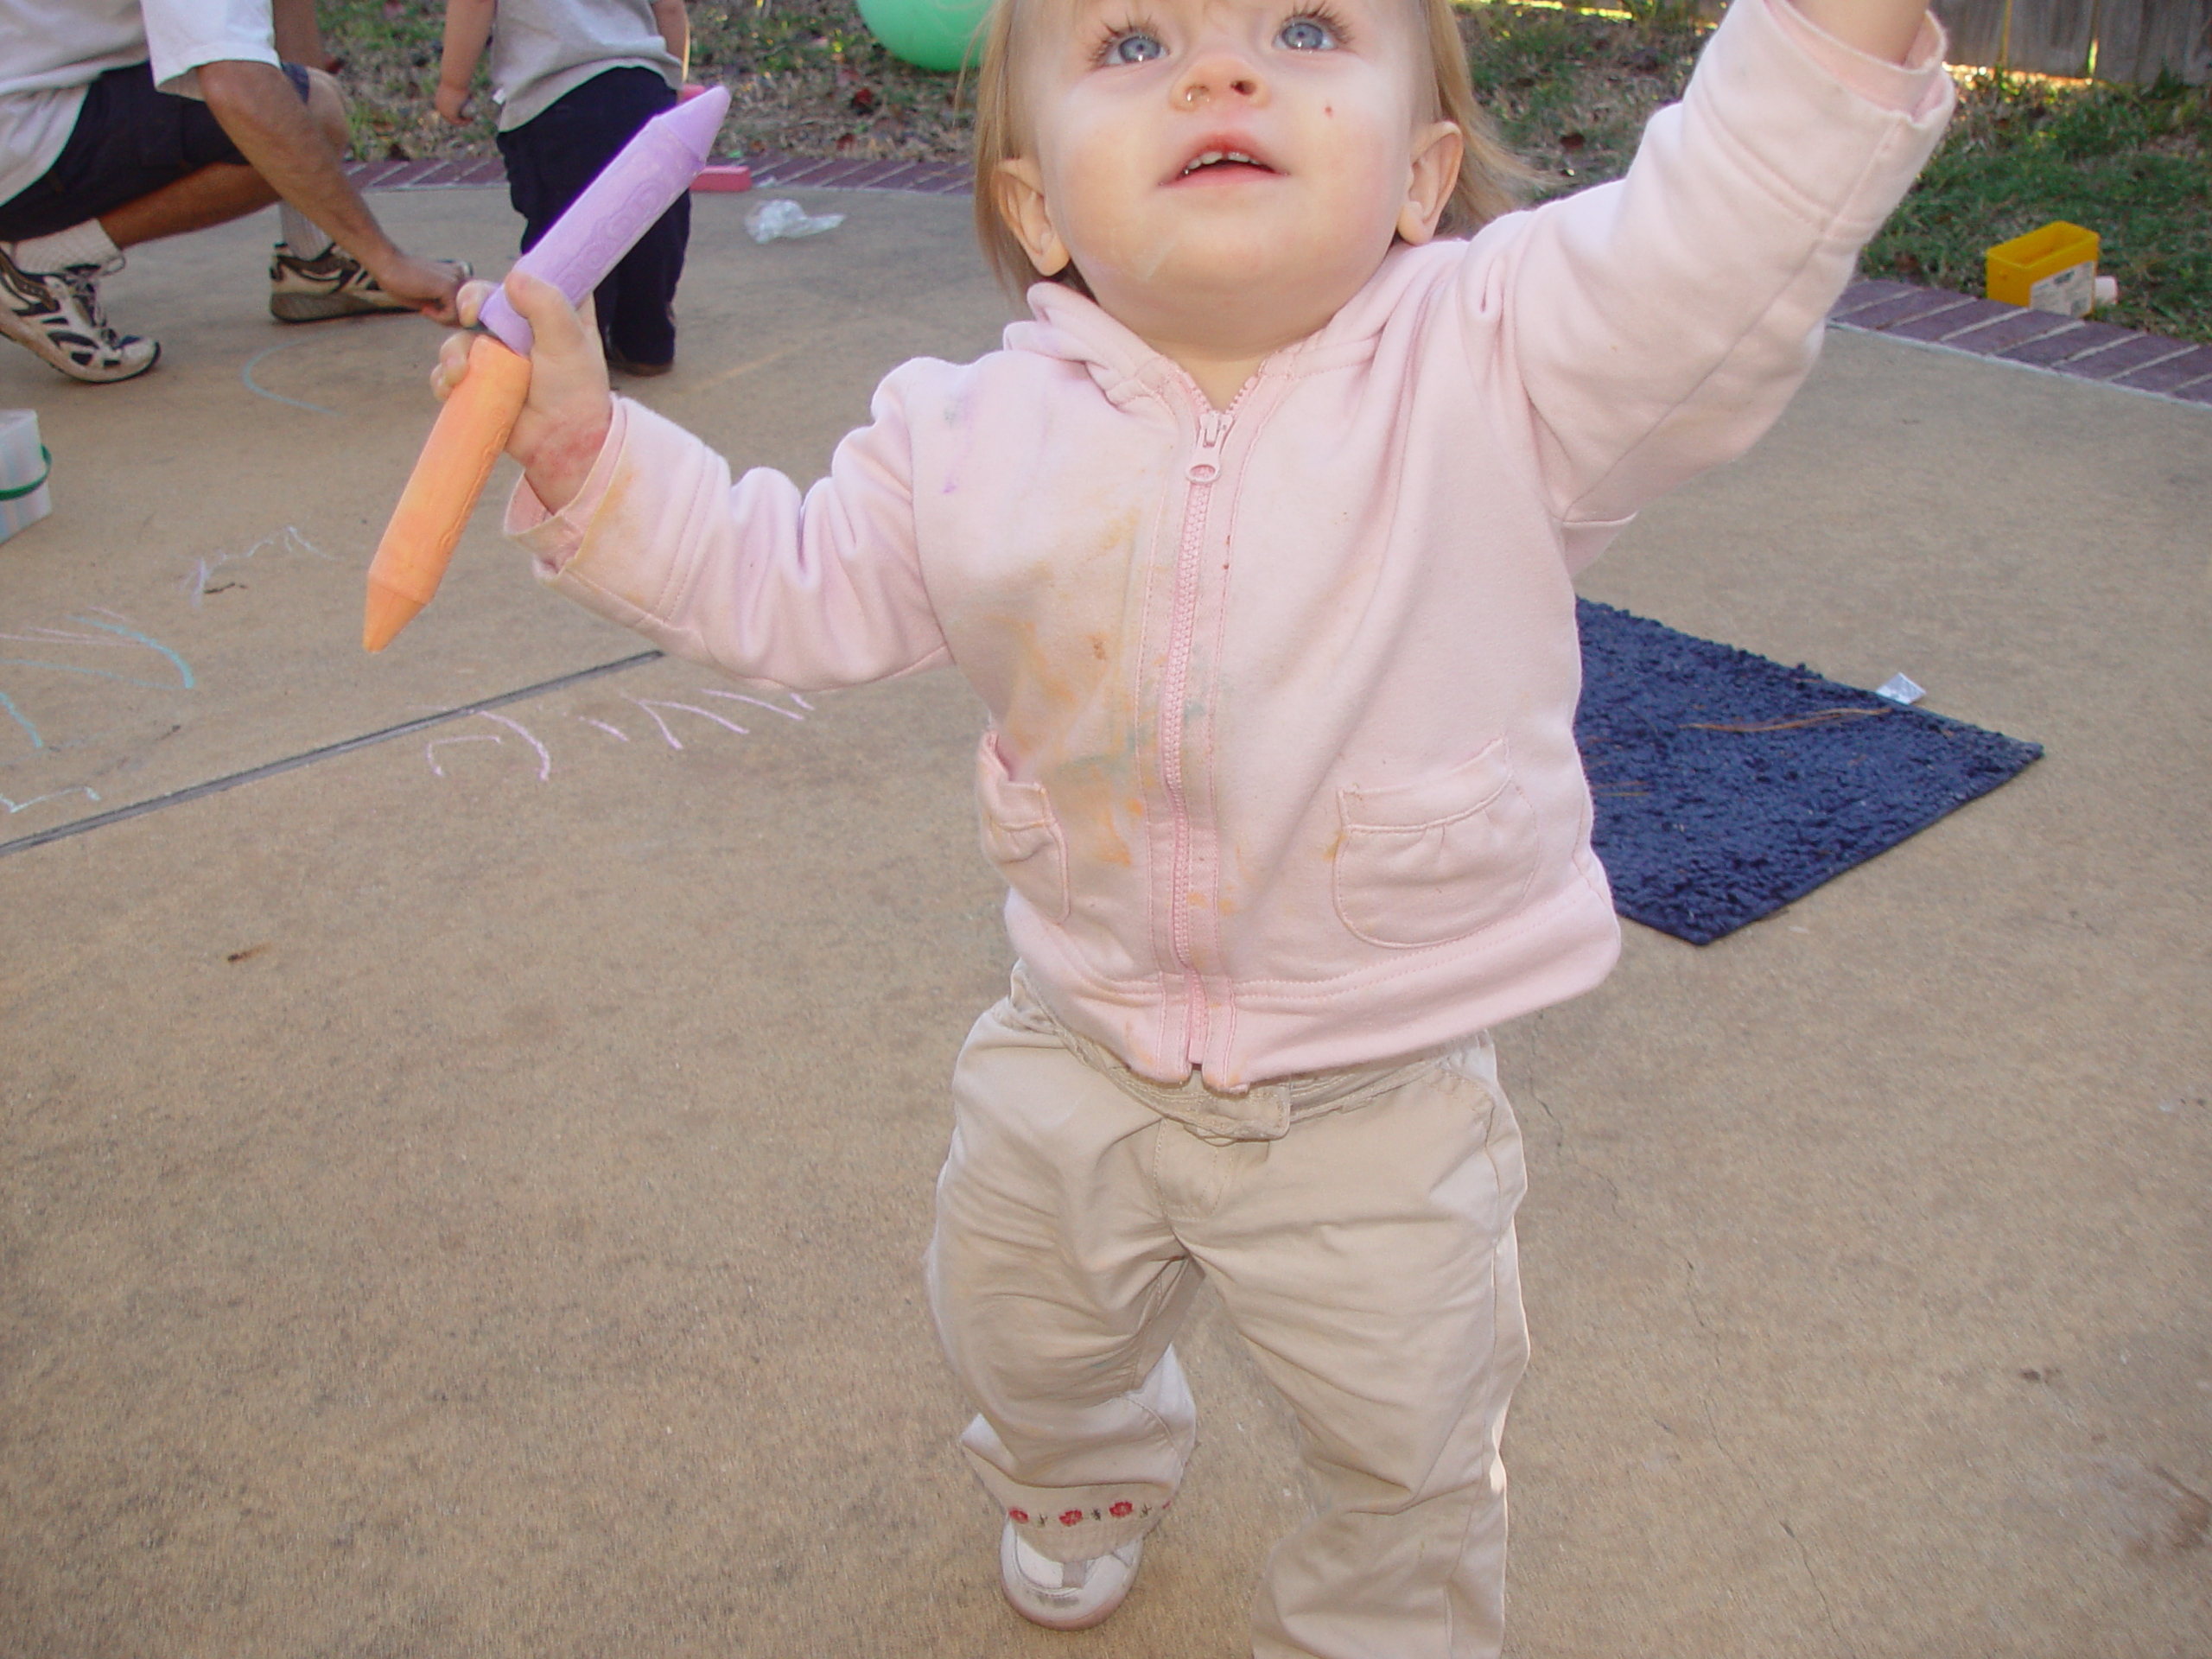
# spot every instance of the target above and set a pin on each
(1076, 1523)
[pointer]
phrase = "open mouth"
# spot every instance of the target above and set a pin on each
(1207, 160)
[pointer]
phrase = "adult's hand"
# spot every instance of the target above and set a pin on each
(294, 148)
(428, 285)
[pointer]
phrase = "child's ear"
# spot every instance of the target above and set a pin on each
(1437, 151)
(1020, 188)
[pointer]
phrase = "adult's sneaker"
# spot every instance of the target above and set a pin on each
(332, 284)
(1065, 1595)
(57, 315)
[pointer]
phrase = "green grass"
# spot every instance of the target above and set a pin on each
(390, 53)
(2134, 165)
(1571, 89)
(805, 75)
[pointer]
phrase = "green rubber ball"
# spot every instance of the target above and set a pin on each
(941, 35)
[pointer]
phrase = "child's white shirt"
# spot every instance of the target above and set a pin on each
(543, 49)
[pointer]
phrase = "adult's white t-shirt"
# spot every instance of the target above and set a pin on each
(51, 50)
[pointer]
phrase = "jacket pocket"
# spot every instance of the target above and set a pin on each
(1021, 835)
(1435, 859)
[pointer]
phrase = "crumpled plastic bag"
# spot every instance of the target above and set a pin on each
(785, 218)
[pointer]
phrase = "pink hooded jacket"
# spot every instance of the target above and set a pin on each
(1280, 767)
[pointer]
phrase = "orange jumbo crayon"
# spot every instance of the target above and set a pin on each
(470, 431)
(593, 232)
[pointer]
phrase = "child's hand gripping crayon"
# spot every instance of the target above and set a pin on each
(600, 225)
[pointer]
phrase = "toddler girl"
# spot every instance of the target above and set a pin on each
(575, 80)
(1256, 541)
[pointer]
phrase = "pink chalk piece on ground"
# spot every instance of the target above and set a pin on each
(604, 223)
(722, 175)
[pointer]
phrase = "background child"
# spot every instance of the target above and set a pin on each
(575, 80)
(1257, 544)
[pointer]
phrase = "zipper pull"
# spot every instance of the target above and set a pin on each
(1213, 428)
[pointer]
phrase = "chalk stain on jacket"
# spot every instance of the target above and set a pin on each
(606, 526)
(1067, 723)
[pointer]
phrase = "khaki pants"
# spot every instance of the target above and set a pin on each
(1358, 1226)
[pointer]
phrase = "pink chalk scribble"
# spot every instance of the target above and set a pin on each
(544, 754)
(740, 697)
(430, 749)
(652, 706)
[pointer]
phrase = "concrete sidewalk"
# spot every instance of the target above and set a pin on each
(463, 1194)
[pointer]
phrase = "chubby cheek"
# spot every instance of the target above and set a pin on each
(1366, 186)
(1100, 214)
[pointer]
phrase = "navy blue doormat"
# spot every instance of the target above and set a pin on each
(1727, 786)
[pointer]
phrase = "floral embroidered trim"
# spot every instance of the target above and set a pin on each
(1120, 1511)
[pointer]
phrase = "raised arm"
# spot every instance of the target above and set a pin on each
(1880, 29)
(1657, 326)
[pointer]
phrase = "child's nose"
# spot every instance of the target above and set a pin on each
(1217, 75)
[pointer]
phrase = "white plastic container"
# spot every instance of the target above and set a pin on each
(23, 467)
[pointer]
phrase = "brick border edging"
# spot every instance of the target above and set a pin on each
(1931, 316)
(2043, 339)
(423, 175)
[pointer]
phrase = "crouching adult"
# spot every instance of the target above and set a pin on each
(122, 121)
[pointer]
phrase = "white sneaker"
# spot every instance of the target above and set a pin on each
(57, 315)
(332, 284)
(1065, 1595)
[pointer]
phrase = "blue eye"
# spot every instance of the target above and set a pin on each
(1135, 47)
(1307, 35)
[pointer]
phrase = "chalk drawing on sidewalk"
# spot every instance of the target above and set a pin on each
(430, 749)
(652, 706)
(199, 581)
(8, 706)
(740, 697)
(657, 709)
(118, 626)
(544, 755)
(15, 807)
(255, 387)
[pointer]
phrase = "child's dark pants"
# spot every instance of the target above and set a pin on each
(555, 154)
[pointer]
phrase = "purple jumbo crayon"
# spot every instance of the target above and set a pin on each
(601, 224)
(619, 205)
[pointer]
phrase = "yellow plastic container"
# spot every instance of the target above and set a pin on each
(2053, 269)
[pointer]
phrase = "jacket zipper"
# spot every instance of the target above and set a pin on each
(1204, 469)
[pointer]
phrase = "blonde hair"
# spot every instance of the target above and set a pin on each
(1490, 182)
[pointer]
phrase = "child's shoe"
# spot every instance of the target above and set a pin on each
(1065, 1595)
(622, 364)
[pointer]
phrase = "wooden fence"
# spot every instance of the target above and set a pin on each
(2114, 40)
